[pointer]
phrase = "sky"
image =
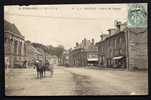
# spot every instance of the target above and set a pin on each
(65, 24)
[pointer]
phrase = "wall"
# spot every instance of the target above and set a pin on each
(138, 56)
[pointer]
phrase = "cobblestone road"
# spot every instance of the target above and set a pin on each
(75, 81)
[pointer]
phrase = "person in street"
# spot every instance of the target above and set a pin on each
(46, 66)
(47, 63)
(7, 64)
(49, 67)
(39, 68)
(24, 64)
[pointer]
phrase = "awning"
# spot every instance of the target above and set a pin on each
(93, 59)
(119, 57)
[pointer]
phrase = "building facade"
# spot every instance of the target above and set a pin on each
(14, 45)
(52, 59)
(31, 54)
(83, 54)
(65, 58)
(137, 48)
(124, 48)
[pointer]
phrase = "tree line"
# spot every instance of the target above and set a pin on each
(52, 50)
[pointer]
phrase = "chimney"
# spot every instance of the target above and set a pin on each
(93, 41)
(109, 31)
(85, 41)
(118, 25)
(77, 44)
(101, 37)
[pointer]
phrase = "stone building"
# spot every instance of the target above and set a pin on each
(102, 50)
(137, 48)
(78, 57)
(43, 54)
(14, 45)
(52, 59)
(65, 58)
(124, 47)
(31, 54)
(83, 54)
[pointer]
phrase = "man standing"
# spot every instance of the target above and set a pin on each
(24, 64)
(7, 64)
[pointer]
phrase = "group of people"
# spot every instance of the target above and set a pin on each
(41, 68)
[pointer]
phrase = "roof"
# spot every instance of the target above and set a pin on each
(101, 41)
(11, 28)
(120, 32)
(111, 29)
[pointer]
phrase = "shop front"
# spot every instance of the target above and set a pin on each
(92, 61)
(119, 62)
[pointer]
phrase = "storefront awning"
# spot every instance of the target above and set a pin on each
(119, 57)
(93, 59)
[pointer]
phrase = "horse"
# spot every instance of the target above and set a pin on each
(48, 67)
(39, 69)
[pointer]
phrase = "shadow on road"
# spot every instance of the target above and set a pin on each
(83, 85)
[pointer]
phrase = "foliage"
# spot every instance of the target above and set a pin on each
(58, 51)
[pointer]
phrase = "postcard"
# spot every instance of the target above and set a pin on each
(76, 50)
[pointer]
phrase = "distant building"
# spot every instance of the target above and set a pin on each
(84, 54)
(32, 54)
(43, 54)
(124, 48)
(65, 58)
(52, 59)
(14, 45)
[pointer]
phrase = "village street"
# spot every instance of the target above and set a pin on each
(76, 81)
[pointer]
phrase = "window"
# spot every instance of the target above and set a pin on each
(120, 41)
(20, 47)
(114, 43)
(15, 47)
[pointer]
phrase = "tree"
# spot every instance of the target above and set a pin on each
(51, 50)
(59, 51)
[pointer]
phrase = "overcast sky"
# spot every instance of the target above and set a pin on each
(65, 24)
